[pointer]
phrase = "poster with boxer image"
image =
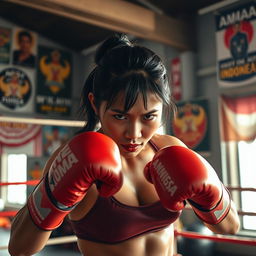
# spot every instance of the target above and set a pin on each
(35, 166)
(191, 124)
(5, 45)
(236, 45)
(16, 90)
(24, 47)
(53, 82)
(53, 137)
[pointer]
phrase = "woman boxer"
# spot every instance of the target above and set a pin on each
(119, 184)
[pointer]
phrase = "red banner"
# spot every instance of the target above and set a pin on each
(238, 118)
(17, 134)
(176, 79)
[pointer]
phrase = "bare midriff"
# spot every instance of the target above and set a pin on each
(158, 243)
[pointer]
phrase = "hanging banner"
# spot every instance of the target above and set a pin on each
(53, 82)
(238, 118)
(17, 134)
(236, 45)
(16, 90)
(191, 124)
(176, 79)
(5, 42)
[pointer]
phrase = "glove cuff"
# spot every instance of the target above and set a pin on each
(218, 212)
(43, 211)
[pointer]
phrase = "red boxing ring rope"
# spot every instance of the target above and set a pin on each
(241, 189)
(12, 213)
(8, 213)
(35, 182)
(220, 238)
(187, 234)
(29, 182)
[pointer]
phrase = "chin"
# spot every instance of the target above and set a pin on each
(127, 154)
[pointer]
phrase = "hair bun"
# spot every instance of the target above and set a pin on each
(113, 41)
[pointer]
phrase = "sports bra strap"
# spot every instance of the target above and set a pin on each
(154, 146)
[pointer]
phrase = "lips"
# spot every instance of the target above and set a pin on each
(131, 147)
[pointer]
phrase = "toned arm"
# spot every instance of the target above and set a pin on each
(229, 225)
(26, 238)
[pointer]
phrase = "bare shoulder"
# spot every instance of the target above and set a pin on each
(162, 141)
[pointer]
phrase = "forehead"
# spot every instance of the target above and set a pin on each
(151, 101)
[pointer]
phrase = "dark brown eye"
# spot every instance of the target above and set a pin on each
(119, 117)
(149, 117)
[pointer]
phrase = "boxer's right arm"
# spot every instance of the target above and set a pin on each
(22, 220)
(26, 238)
(87, 158)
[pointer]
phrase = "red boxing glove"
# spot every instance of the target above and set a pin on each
(89, 157)
(180, 174)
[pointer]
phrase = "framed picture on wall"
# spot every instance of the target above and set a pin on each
(24, 47)
(16, 89)
(35, 166)
(236, 45)
(53, 81)
(5, 45)
(191, 124)
(53, 137)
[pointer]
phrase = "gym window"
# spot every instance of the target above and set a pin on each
(238, 147)
(14, 195)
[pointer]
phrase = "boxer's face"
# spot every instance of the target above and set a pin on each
(25, 44)
(131, 130)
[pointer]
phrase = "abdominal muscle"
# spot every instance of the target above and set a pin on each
(158, 243)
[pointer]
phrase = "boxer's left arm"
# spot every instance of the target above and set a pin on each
(229, 225)
(180, 175)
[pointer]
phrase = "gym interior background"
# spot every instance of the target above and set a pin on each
(213, 83)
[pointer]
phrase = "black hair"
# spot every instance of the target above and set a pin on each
(122, 66)
(24, 33)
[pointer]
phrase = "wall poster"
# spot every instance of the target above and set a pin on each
(236, 45)
(53, 81)
(5, 45)
(191, 124)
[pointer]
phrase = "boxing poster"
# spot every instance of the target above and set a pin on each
(236, 45)
(5, 45)
(53, 81)
(53, 137)
(24, 48)
(35, 166)
(17, 90)
(191, 124)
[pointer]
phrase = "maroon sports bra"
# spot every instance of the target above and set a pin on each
(110, 221)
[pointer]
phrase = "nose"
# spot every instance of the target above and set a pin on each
(133, 130)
